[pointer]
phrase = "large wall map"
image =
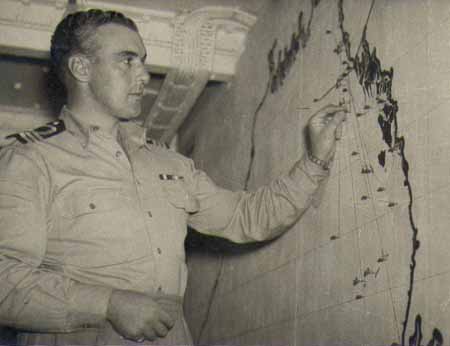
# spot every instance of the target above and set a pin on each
(376, 145)
(376, 83)
(367, 86)
(370, 264)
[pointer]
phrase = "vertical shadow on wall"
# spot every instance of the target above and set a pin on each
(56, 92)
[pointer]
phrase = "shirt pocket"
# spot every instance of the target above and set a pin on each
(179, 196)
(99, 228)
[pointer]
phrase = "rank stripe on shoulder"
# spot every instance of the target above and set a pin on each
(38, 134)
(27, 136)
(170, 177)
(34, 136)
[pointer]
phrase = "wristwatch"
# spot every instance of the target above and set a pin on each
(323, 164)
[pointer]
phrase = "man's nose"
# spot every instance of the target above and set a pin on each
(143, 74)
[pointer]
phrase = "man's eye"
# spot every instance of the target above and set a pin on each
(128, 61)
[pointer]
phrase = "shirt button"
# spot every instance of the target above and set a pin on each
(159, 289)
(118, 154)
(159, 251)
(92, 206)
(150, 214)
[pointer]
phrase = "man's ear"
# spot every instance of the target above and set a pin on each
(79, 67)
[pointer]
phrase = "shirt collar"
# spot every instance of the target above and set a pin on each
(130, 132)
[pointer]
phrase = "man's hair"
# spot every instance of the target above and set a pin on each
(75, 33)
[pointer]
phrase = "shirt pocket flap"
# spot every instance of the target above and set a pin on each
(93, 202)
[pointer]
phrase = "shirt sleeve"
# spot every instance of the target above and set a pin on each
(260, 215)
(32, 297)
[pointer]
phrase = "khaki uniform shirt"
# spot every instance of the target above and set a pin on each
(81, 214)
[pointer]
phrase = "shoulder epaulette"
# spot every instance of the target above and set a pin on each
(157, 143)
(38, 134)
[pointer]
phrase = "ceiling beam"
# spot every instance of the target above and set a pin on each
(193, 59)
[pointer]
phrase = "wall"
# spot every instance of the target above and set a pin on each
(370, 265)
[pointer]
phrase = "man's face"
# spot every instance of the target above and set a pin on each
(118, 74)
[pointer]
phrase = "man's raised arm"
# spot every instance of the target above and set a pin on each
(271, 209)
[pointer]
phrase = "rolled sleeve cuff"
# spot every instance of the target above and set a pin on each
(88, 306)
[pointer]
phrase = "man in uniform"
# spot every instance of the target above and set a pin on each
(93, 215)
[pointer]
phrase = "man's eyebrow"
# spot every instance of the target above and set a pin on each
(129, 53)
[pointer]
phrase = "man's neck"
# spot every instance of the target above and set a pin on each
(89, 115)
